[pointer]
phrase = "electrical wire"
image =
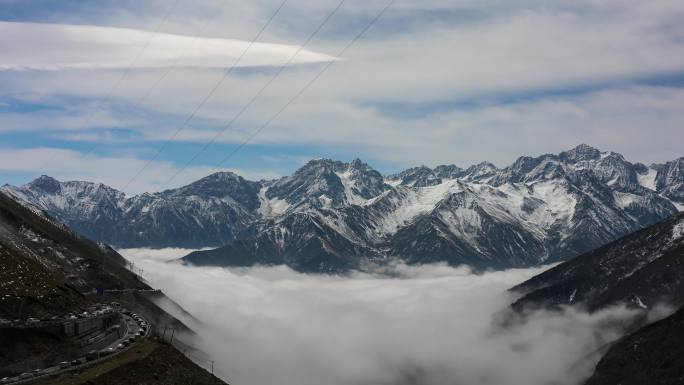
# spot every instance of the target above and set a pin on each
(108, 96)
(168, 69)
(257, 95)
(208, 96)
(292, 99)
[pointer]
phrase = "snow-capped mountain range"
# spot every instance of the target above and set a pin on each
(333, 216)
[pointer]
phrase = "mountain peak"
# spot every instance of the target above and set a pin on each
(358, 163)
(333, 182)
(580, 153)
(222, 175)
(360, 166)
(44, 178)
(421, 176)
(46, 183)
(583, 147)
(220, 185)
(482, 167)
(221, 178)
(448, 170)
(322, 164)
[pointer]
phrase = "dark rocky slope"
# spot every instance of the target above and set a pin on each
(47, 268)
(154, 364)
(47, 271)
(652, 355)
(641, 269)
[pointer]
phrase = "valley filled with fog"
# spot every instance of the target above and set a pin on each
(430, 325)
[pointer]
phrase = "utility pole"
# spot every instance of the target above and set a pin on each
(212, 367)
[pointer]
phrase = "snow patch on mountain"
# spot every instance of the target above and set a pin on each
(678, 231)
(639, 302)
(465, 224)
(270, 208)
(624, 200)
(537, 206)
(648, 179)
(558, 202)
(349, 187)
(393, 182)
(415, 201)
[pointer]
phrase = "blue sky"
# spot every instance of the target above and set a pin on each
(93, 89)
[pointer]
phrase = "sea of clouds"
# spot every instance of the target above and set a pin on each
(428, 325)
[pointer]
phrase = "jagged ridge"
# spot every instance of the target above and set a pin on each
(346, 215)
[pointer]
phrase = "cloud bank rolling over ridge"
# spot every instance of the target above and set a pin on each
(433, 325)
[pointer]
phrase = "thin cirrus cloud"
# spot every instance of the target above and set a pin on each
(35, 46)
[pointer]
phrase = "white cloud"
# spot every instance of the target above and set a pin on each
(161, 255)
(113, 171)
(503, 48)
(57, 46)
(643, 123)
(88, 121)
(435, 325)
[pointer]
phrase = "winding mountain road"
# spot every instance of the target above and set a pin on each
(133, 324)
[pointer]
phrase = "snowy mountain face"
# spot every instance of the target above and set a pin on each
(669, 180)
(210, 211)
(422, 176)
(324, 183)
(331, 216)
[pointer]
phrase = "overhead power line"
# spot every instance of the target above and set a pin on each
(258, 94)
(174, 64)
(129, 68)
(124, 75)
(296, 96)
(208, 96)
